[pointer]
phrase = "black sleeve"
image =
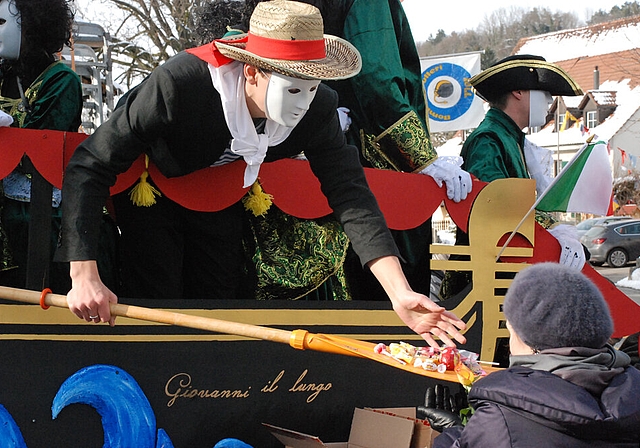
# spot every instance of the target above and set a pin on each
(146, 117)
(337, 167)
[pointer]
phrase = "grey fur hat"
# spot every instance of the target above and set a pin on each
(551, 305)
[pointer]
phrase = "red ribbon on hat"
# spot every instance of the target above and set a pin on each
(290, 50)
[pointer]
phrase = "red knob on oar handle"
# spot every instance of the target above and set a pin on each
(43, 294)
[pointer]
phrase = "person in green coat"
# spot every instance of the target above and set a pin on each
(38, 92)
(388, 112)
(518, 90)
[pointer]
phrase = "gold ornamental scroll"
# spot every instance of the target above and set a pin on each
(496, 212)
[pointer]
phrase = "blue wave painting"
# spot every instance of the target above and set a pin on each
(127, 417)
(10, 435)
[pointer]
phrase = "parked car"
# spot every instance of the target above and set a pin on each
(584, 226)
(615, 243)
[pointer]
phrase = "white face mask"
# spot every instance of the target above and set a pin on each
(10, 30)
(287, 99)
(539, 102)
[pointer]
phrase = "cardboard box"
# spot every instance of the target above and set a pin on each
(370, 428)
(423, 434)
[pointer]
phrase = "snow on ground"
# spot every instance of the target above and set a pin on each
(634, 282)
(451, 147)
(446, 236)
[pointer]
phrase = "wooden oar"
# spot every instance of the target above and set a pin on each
(299, 339)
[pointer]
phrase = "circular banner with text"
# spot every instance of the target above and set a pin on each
(449, 94)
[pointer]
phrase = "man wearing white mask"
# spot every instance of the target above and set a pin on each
(519, 91)
(257, 97)
(10, 31)
(385, 117)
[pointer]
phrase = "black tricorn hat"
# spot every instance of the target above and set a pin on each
(523, 72)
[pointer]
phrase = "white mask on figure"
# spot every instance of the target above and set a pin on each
(10, 30)
(539, 102)
(287, 99)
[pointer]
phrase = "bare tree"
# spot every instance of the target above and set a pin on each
(145, 33)
(499, 32)
(148, 32)
(627, 9)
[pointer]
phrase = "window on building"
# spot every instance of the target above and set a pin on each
(592, 119)
(560, 122)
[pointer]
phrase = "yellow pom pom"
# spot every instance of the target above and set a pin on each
(143, 194)
(257, 201)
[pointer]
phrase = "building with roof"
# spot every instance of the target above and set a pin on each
(604, 59)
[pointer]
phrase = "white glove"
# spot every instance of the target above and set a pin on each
(539, 163)
(447, 169)
(572, 252)
(5, 119)
(345, 120)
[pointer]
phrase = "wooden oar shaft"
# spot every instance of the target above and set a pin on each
(160, 316)
(298, 339)
(202, 323)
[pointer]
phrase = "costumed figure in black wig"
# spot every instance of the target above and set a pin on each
(38, 92)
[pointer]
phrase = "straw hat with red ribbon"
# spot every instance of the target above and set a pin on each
(287, 37)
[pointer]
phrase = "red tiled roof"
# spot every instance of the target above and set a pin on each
(612, 67)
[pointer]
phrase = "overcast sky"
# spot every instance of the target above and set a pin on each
(425, 16)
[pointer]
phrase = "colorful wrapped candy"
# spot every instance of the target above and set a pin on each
(463, 362)
(450, 357)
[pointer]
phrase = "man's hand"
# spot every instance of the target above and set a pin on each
(416, 310)
(89, 298)
(447, 169)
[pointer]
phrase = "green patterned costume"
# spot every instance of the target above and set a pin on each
(55, 98)
(389, 126)
(294, 257)
(55, 102)
(386, 99)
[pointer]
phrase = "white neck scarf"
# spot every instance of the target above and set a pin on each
(228, 80)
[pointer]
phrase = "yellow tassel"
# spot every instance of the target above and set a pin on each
(257, 201)
(143, 194)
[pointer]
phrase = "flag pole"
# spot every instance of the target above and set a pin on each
(553, 182)
(557, 170)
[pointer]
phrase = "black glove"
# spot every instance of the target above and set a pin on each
(440, 408)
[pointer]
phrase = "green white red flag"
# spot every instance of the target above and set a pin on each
(585, 185)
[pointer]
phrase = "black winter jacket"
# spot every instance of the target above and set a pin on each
(521, 407)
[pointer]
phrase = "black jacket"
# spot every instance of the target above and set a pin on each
(175, 116)
(521, 407)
